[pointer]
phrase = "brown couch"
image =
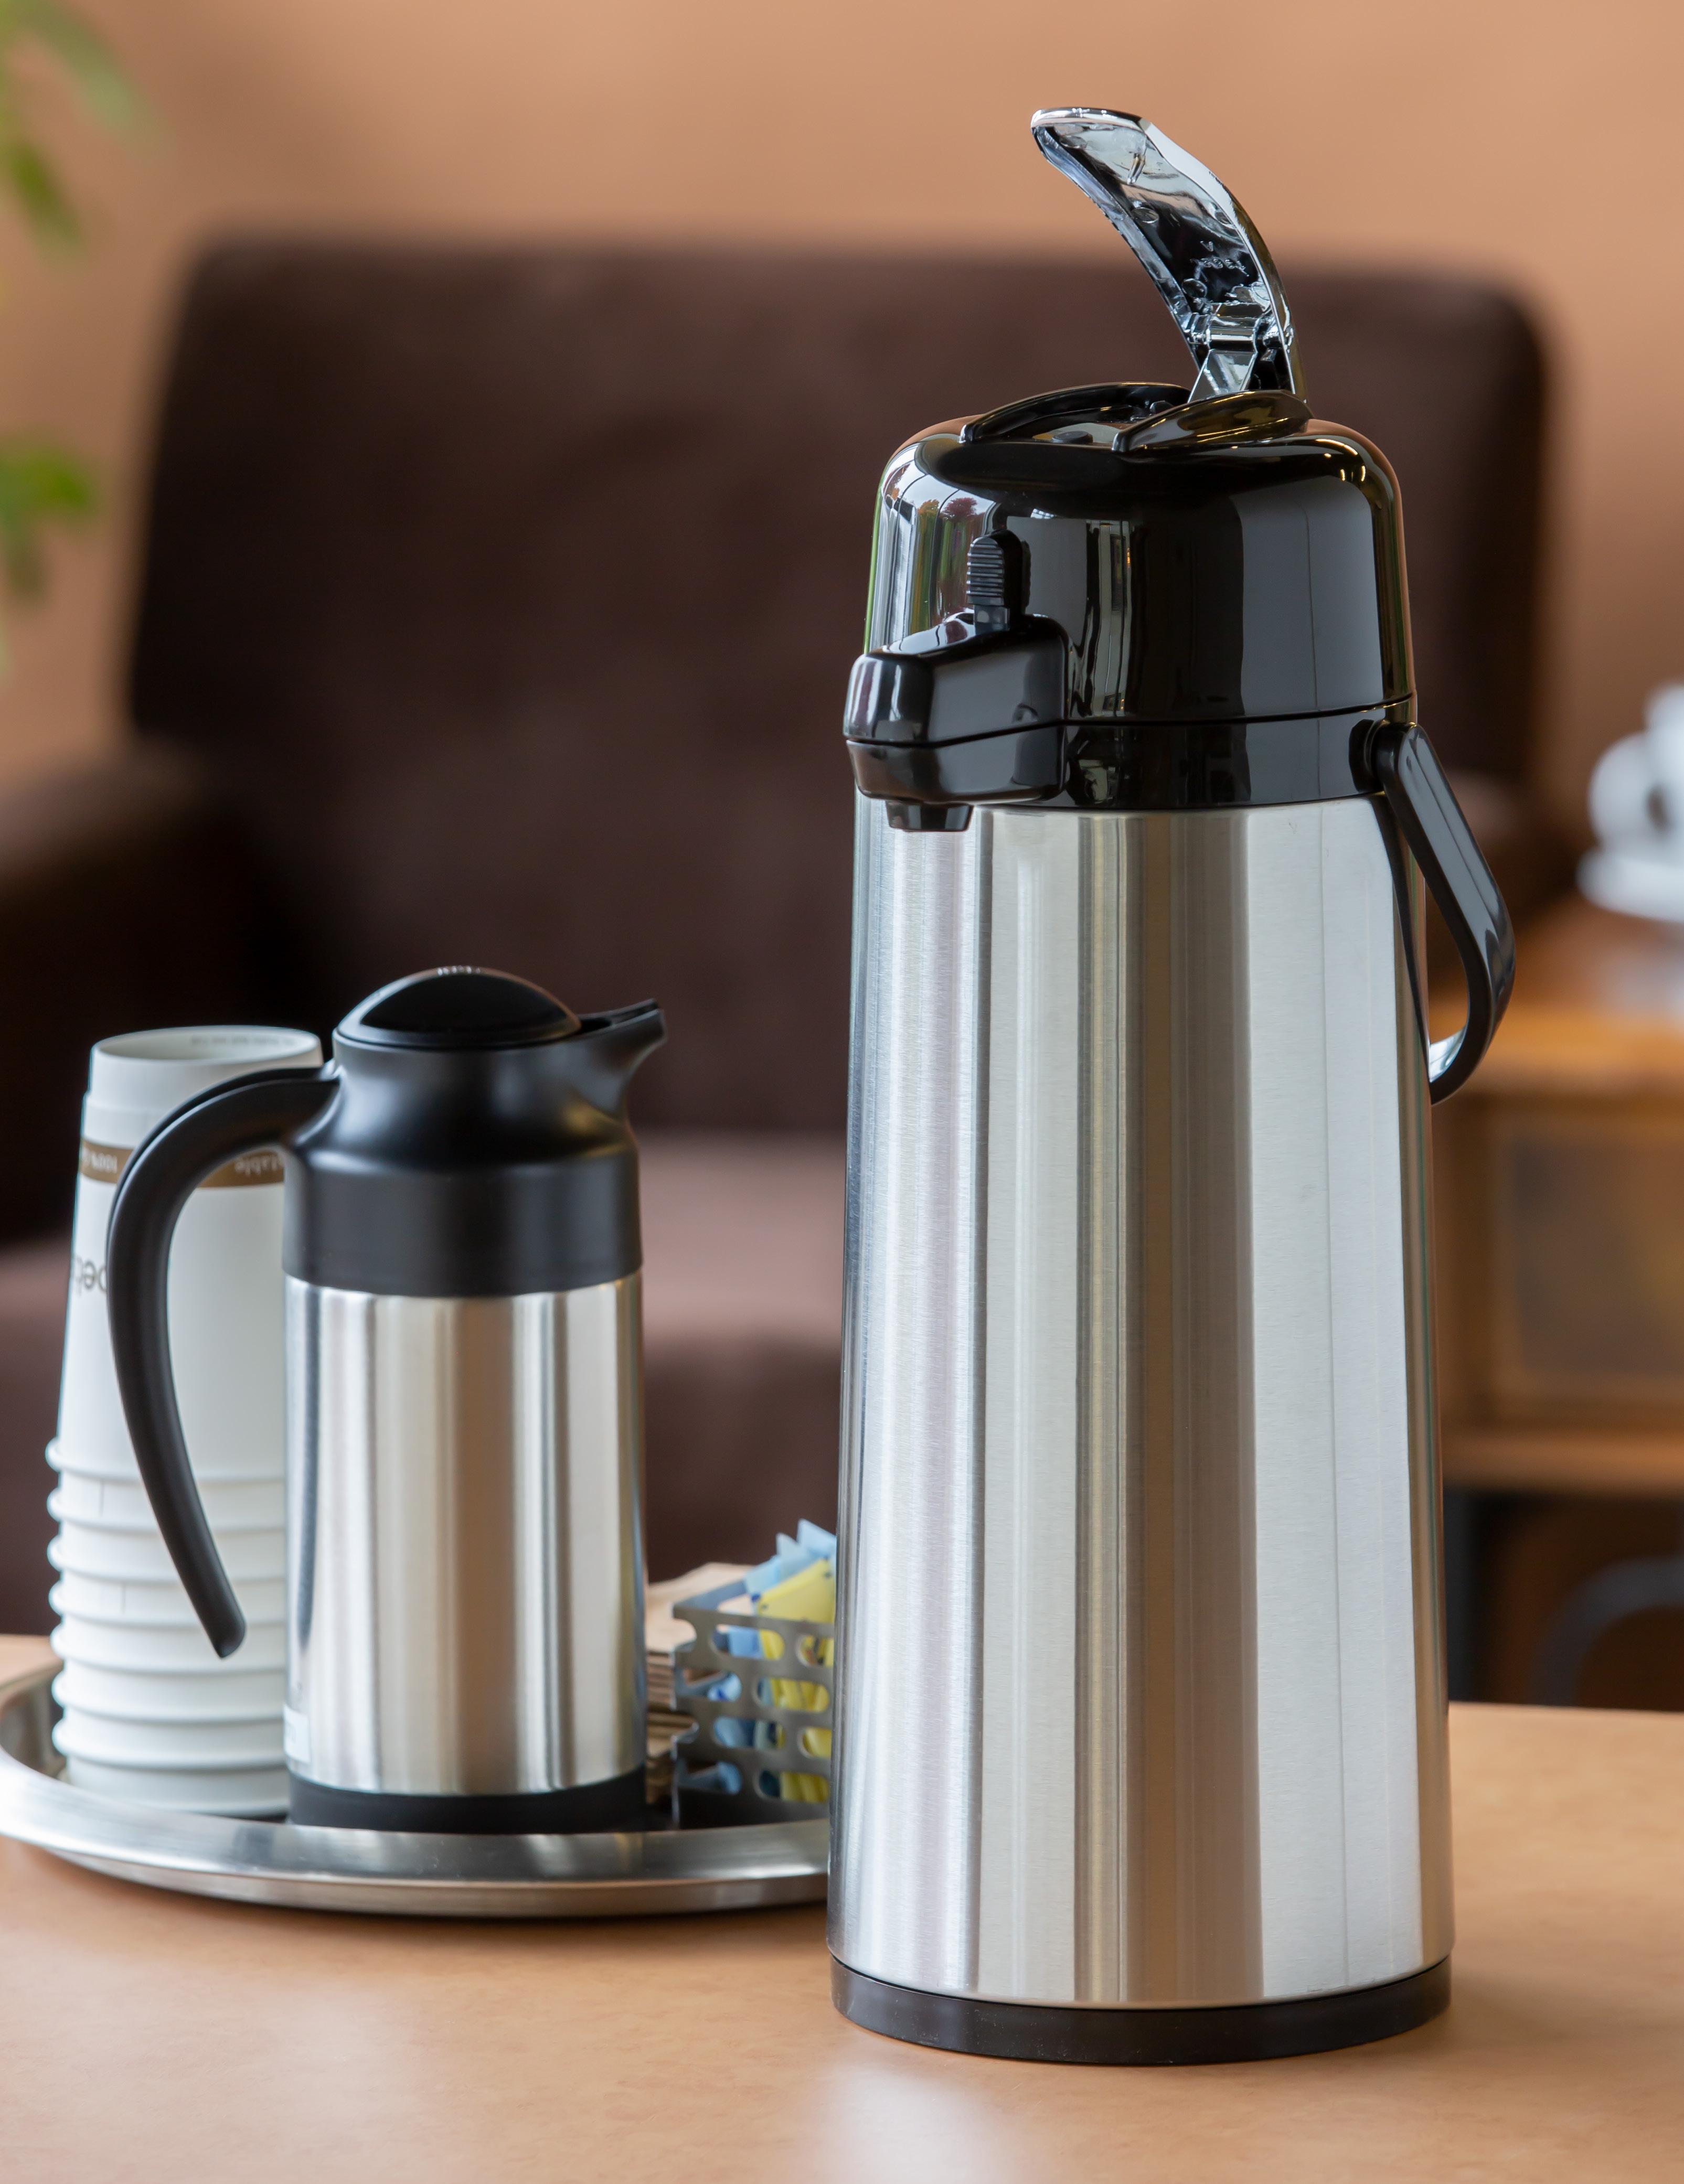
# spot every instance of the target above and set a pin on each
(496, 605)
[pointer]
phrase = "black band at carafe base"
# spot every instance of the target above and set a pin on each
(585, 1809)
(1241, 2033)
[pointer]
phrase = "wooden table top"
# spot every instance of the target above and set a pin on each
(1598, 1005)
(150, 2036)
(1590, 1056)
(1576, 955)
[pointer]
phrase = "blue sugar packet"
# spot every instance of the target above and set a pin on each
(812, 1544)
(776, 1568)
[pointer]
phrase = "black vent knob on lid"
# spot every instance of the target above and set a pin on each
(996, 579)
(460, 1007)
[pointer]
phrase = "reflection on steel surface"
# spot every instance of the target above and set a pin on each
(466, 1559)
(1140, 1692)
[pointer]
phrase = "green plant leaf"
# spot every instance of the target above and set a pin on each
(37, 192)
(84, 57)
(28, 174)
(41, 486)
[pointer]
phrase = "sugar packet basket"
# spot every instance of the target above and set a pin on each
(761, 1748)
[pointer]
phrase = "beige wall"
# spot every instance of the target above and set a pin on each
(1534, 139)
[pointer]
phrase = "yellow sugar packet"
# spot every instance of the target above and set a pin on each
(808, 1596)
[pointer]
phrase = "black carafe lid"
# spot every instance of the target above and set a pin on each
(474, 1144)
(461, 1009)
(1138, 596)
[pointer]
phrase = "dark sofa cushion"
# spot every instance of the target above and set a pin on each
(510, 595)
(742, 1327)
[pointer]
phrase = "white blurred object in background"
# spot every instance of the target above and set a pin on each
(1637, 811)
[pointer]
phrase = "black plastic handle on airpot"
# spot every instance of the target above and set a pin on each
(190, 1145)
(1420, 800)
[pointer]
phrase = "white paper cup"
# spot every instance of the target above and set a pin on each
(249, 1793)
(92, 1550)
(226, 1294)
(162, 1696)
(121, 1471)
(192, 1746)
(144, 1648)
(149, 1712)
(159, 1607)
(242, 1504)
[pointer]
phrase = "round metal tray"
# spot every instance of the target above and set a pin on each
(410, 1877)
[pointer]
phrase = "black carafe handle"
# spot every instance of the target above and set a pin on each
(1420, 800)
(194, 1142)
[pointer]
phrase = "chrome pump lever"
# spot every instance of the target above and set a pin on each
(1206, 259)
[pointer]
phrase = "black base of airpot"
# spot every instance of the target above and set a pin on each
(1247, 2032)
(588, 1808)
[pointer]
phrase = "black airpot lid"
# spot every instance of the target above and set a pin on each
(1138, 595)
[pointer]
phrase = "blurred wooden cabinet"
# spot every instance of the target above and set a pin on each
(1559, 1208)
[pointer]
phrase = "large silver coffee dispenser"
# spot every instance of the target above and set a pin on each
(1141, 1731)
(464, 1647)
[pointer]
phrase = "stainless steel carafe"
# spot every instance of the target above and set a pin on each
(1141, 1729)
(464, 1550)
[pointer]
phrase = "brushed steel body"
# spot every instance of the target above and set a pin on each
(1140, 1690)
(465, 1562)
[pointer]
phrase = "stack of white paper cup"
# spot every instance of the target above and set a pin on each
(148, 1712)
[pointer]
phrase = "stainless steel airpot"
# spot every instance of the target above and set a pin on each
(1141, 1742)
